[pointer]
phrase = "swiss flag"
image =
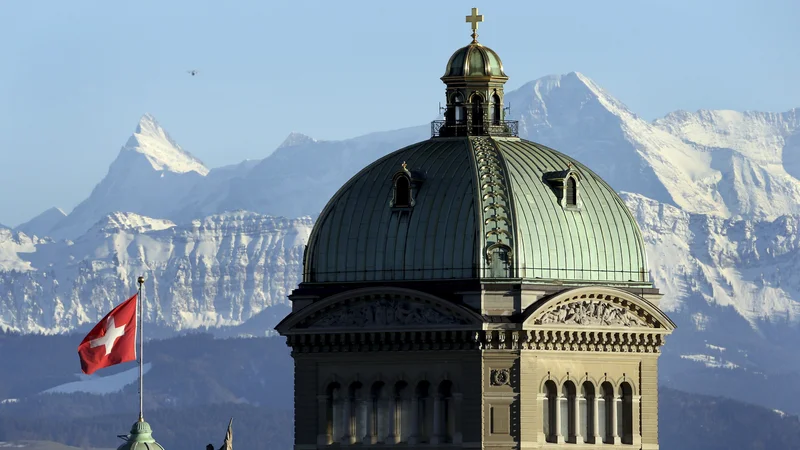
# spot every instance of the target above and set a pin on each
(112, 341)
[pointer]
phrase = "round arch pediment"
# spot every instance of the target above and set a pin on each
(597, 306)
(383, 309)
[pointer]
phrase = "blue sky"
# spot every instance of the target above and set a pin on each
(75, 76)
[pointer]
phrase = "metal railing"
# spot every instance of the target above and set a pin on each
(440, 128)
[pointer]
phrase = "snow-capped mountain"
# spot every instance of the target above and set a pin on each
(212, 272)
(150, 174)
(709, 189)
(43, 224)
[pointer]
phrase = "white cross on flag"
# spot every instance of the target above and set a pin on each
(112, 340)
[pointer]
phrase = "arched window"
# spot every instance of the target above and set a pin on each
(587, 412)
(549, 411)
(445, 429)
(571, 191)
(401, 428)
(568, 413)
(357, 414)
(477, 113)
(402, 192)
(605, 412)
(625, 413)
(333, 413)
(378, 421)
(458, 105)
(496, 110)
(424, 413)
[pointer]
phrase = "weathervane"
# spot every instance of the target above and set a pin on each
(475, 19)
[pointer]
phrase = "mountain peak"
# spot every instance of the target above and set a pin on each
(42, 223)
(161, 151)
(296, 138)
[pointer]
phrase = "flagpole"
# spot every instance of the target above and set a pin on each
(140, 311)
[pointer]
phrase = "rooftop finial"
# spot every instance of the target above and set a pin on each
(475, 19)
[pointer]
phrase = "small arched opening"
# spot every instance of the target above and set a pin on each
(424, 412)
(625, 413)
(402, 192)
(459, 113)
(549, 405)
(497, 109)
(477, 113)
(333, 413)
(571, 193)
(568, 412)
(401, 428)
(605, 413)
(445, 429)
(378, 422)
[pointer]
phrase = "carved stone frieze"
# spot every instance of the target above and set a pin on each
(384, 312)
(598, 313)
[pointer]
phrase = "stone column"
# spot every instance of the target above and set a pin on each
(598, 433)
(346, 405)
(614, 421)
(577, 418)
(436, 436)
(363, 428)
(414, 419)
(458, 400)
(394, 405)
(559, 436)
(323, 433)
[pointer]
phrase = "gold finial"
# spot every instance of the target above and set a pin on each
(474, 19)
(404, 166)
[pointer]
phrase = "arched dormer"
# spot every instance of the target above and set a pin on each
(404, 185)
(571, 191)
(566, 187)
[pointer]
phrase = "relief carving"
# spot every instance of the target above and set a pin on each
(500, 377)
(593, 313)
(382, 312)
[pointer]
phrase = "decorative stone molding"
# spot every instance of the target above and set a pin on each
(594, 313)
(496, 213)
(382, 341)
(384, 311)
(500, 377)
(570, 340)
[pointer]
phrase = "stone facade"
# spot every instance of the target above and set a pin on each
(383, 366)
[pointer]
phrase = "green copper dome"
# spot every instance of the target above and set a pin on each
(478, 207)
(474, 60)
(140, 438)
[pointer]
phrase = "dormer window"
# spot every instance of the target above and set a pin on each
(404, 184)
(402, 192)
(571, 191)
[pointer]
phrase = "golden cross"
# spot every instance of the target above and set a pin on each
(475, 19)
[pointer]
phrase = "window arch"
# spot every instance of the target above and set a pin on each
(402, 191)
(379, 414)
(571, 191)
(625, 413)
(445, 429)
(401, 429)
(477, 113)
(605, 413)
(587, 412)
(333, 413)
(496, 109)
(568, 413)
(458, 106)
(549, 405)
(356, 414)
(424, 407)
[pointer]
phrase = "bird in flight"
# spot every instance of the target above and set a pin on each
(192, 72)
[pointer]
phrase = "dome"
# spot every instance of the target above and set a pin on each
(479, 208)
(474, 60)
(140, 438)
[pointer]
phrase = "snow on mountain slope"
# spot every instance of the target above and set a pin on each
(42, 224)
(161, 151)
(149, 176)
(574, 115)
(218, 271)
(757, 155)
(100, 385)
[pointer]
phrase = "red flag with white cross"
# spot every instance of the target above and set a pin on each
(112, 341)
